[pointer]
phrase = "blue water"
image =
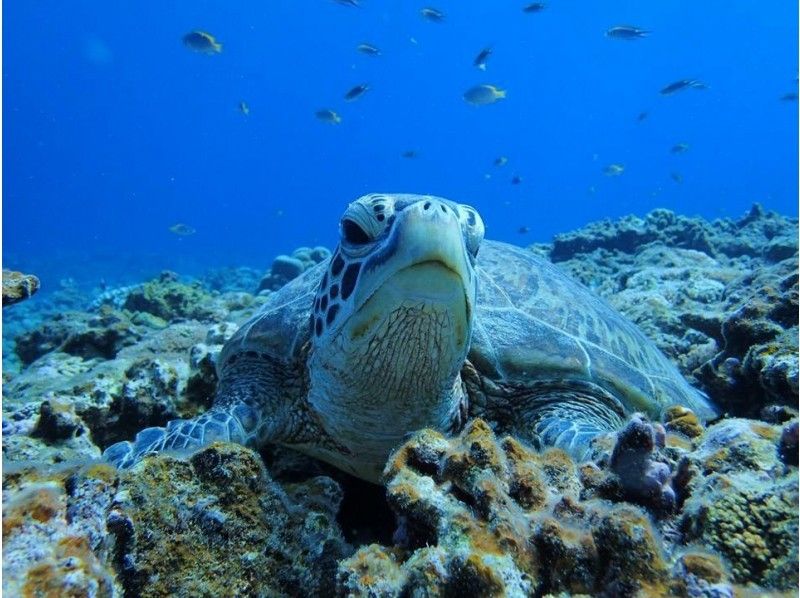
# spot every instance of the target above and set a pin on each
(114, 130)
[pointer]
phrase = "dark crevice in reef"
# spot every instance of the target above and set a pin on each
(365, 516)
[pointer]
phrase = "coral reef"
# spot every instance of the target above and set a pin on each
(218, 525)
(491, 517)
(675, 507)
(287, 267)
(168, 298)
(18, 286)
(720, 298)
(54, 536)
(213, 525)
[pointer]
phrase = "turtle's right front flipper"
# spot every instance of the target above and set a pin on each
(237, 424)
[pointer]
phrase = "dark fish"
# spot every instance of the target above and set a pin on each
(356, 92)
(626, 32)
(681, 85)
(410, 154)
(534, 7)
(523, 230)
(483, 95)
(203, 42)
(679, 148)
(182, 230)
(501, 161)
(328, 116)
(368, 49)
(789, 97)
(480, 59)
(676, 176)
(516, 179)
(642, 116)
(432, 14)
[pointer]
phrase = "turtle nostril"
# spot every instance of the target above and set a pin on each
(426, 205)
(444, 208)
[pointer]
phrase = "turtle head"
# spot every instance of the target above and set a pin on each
(392, 321)
(399, 251)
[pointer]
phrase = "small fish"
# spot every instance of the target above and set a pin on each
(676, 176)
(356, 92)
(328, 116)
(626, 32)
(480, 59)
(368, 49)
(789, 97)
(244, 108)
(483, 95)
(203, 42)
(642, 116)
(432, 14)
(516, 179)
(523, 230)
(534, 7)
(182, 230)
(614, 170)
(501, 161)
(355, 3)
(682, 84)
(679, 148)
(409, 154)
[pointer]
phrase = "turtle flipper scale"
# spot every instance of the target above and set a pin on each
(572, 435)
(182, 434)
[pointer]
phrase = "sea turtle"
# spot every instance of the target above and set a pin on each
(416, 321)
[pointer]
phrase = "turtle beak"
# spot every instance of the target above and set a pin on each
(424, 258)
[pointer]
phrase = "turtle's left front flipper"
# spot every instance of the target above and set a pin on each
(231, 425)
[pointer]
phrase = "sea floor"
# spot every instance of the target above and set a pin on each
(474, 514)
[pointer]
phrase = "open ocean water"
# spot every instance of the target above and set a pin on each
(115, 130)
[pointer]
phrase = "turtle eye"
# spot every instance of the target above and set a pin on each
(473, 229)
(353, 233)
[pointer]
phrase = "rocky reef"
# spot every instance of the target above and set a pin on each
(488, 516)
(18, 286)
(287, 267)
(674, 507)
(720, 298)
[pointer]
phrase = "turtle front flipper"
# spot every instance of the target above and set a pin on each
(230, 425)
(567, 415)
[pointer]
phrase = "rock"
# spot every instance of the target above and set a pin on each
(54, 539)
(286, 268)
(720, 298)
(218, 525)
(743, 503)
(18, 286)
(482, 516)
(171, 300)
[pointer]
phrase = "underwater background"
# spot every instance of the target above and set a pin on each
(115, 131)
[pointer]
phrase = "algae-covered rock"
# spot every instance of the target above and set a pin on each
(744, 502)
(217, 525)
(170, 299)
(287, 267)
(478, 516)
(54, 537)
(18, 286)
(719, 298)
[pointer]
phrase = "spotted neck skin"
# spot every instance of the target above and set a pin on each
(392, 323)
